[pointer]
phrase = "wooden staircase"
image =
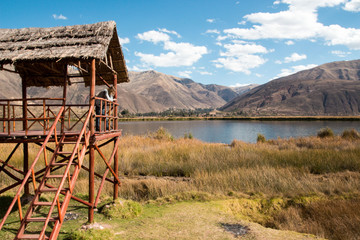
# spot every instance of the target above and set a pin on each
(54, 191)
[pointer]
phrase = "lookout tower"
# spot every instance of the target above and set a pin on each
(46, 57)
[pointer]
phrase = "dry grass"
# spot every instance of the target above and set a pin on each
(158, 167)
(333, 219)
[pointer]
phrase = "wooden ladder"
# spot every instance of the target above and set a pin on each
(69, 169)
(65, 170)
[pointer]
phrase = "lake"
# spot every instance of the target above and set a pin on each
(224, 131)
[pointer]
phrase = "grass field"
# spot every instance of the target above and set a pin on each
(308, 185)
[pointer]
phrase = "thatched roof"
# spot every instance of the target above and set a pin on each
(40, 54)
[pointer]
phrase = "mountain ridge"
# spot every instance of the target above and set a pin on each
(329, 89)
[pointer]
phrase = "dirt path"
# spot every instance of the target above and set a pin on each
(194, 220)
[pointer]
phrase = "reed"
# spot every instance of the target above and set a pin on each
(159, 168)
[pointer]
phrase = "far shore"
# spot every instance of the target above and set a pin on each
(240, 118)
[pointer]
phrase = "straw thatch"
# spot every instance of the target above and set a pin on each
(41, 54)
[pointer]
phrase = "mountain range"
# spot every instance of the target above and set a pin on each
(329, 89)
(148, 91)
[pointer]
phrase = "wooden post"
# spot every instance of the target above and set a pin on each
(116, 159)
(25, 145)
(92, 147)
(64, 98)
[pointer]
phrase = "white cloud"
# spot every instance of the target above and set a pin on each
(139, 69)
(178, 54)
(185, 74)
(153, 36)
(210, 20)
(240, 85)
(289, 43)
(295, 57)
(340, 53)
(124, 40)
(164, 30)
(241, 57)
(294, 69)
(59, 17)
(212, 31)
(352, 6)
(299, 21)
(205, 73)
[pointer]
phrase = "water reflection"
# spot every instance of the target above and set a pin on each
(226, 131)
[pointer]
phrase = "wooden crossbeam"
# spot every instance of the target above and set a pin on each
(9, 157)
(107, 170)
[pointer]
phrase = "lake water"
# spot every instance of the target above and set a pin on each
(224, 131)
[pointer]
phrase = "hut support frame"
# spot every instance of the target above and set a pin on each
(33, 180)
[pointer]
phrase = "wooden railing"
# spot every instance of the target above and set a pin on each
(39, 114)
(106, 113)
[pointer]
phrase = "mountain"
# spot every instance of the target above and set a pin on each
(173, 92)
(329, 89)
(148, 91)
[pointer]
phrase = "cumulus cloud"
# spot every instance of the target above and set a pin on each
(241, 57)
(210, 20)
(153, 36)
(212, 31)
(205, 73)
(289, 43)
(124, 40)
(236, 85)
(352, 6)
(59, 17)
(295, 57)
(164, 30)
(185, 74)
(178, 54)
(288, 71)
(299, 21)
(340, 53)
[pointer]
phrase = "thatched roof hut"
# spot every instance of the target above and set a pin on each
(41, 55)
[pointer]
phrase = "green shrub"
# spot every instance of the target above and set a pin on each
(162, 134)
(260, 138)
(188, 136)
(91, 234)
(125, 209)
(325, 132)
(351, 134)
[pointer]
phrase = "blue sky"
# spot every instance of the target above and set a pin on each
(226, 42)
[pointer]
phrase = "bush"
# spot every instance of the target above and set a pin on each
(325, 132)
(125, 209)
(162, 134)
(91, 234)
(260, 138)
(188, 136)
(351, 134)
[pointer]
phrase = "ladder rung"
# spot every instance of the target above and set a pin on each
(31, 236)
(64, 153)
(48, 189)
(54, 176)
(62, 164)
(42, 203)
(69, 142)
(40, 219)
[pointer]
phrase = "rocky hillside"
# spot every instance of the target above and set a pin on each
(329, 89)
(148, 91)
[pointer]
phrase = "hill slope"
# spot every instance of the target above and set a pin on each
(329, 89)
(148, 91)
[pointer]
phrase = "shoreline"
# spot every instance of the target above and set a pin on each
(238, 118)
